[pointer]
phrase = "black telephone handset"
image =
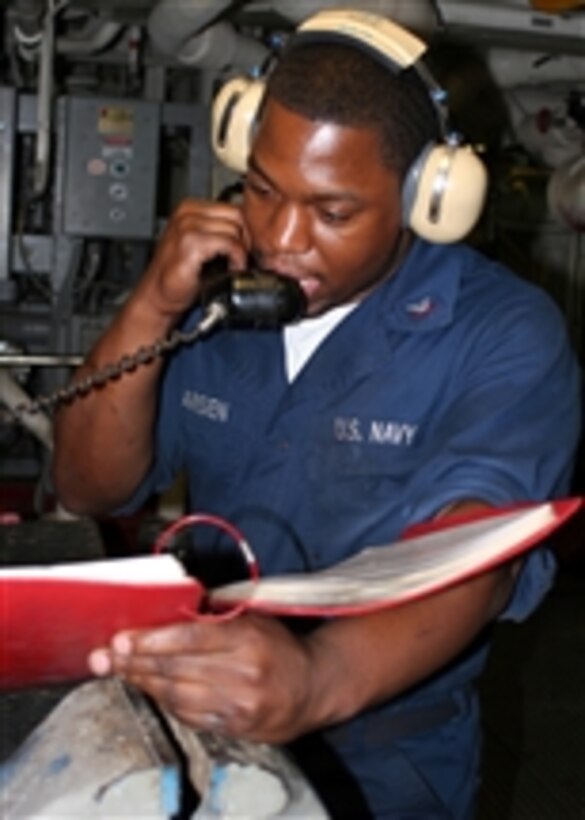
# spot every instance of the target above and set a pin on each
(255, 299)
(258, 299)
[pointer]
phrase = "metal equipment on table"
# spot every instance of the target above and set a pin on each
(100, 749)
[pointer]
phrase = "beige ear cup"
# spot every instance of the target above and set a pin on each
(233, 117)
(444, 193)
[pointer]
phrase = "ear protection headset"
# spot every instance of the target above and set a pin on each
(444, 189)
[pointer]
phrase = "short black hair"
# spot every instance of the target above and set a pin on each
(341, 83)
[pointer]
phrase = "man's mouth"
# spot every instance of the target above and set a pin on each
(310, 285)
(308, 282)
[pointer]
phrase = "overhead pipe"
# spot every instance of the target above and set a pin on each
(420, 16)
(187, 30)
(183, 29)
(93, 39)
(511, 67)
(221, 46)
(196, 34)
(172, 23)
(517, 22)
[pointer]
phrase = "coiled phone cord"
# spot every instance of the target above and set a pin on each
(247, 300)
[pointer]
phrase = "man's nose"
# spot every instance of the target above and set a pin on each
(289, 229)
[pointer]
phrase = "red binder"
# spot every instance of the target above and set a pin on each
(52, 617)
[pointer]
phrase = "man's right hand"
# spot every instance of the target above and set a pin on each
(196, 233)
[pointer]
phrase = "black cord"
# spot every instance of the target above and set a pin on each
(146, 354)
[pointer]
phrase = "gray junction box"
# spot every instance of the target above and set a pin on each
(111, 156)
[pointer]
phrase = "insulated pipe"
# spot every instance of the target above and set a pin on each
(14, 397)
(172, 23)
(220, 46)
(40, 360)
(90, 42)
(183, 28)
(420, 16)
(511, 67)
(45, 103)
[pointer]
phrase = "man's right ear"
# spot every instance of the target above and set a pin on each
(234, 116)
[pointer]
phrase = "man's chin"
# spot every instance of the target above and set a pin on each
(318, 307)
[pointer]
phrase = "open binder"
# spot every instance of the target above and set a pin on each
(52, 617)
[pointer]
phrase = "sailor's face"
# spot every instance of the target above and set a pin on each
(321, 206)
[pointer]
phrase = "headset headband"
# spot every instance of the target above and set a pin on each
(386, 42)
(401, 47)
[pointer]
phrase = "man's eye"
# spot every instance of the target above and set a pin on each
(334, 217)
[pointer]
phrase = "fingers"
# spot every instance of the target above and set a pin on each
(251, 672)
(210, 689)
(196, 233)
(175, 639)
(144, 650)
(212, 217)
(185, 652)
(200, 231)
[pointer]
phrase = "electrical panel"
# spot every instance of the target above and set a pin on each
(111, 168)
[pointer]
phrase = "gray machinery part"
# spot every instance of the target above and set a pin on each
(103, 753)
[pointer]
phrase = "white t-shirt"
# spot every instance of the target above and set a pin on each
(302, 339)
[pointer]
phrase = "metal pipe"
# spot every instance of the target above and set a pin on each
(172, 23)
(186, 30)
(15, 398)
(220, 46)
(510, 67)
(39, 360)
(421, 15)
(45, 103)
(90, 41)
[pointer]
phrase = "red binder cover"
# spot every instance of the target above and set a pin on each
(52, 617)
